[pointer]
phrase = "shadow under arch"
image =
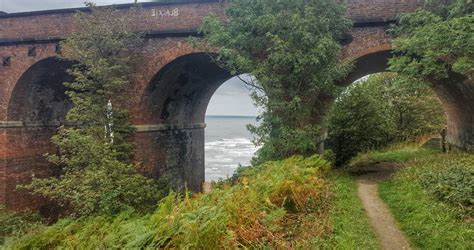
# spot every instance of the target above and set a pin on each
(175, 101)
(180, 92)
(37, 106)
(368, 64)
(39, 96)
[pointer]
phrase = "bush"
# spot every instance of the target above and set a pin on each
(381, 110)
(278, 204)
(449, 179)
(360, 120)
(13, 223)
(92, 180)
(432, 200)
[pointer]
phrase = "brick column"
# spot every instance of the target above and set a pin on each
(22, 156)
(457, 95)
(172, 150)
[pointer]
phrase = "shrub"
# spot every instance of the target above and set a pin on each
(381, 110)
(449, 179)
(14, 223)
(278, 204)
(92, 180)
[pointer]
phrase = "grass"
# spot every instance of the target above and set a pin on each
(428, 223)
(351, 229)
(431, 196)
(294, 203)
(283, 204)
(396, 154)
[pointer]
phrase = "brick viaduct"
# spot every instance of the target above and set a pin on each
(170, 92)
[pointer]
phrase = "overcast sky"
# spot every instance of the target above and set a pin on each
(232, 98)
(11, 6)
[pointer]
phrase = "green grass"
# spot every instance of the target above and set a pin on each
(351, 229)
(396, 154)
(432, 198)
(282, 204)
(428, 223)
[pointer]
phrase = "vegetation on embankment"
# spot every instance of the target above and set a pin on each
(397, 153)
(351, 229)
(431, 196)
(283, 204)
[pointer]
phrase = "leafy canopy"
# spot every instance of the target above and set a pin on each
(291, 49)
(434, 44)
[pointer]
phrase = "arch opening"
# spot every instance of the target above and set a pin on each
(180, 91)
(455, 93)
(38, 105)
(228, 142)
(175, 101)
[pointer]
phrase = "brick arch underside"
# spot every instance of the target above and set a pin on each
(37, 106)
(175, 101)
(456, 94)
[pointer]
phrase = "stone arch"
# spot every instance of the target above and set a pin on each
(456, 94)
(39, 96)
(180, 92)
(175, 101)
(367, 64)
(38, 104)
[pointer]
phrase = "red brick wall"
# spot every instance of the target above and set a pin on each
(57, 25)
(378, 10)
(189, 17)
(20, 62)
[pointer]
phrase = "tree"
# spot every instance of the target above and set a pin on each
(93, 159)
(386, 108)
(434, 45)
(414, 107)
(360, 120)
(291, 48)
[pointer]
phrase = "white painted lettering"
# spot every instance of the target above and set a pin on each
(163, 13)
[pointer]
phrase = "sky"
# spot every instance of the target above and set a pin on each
(232, 98)
(11, 6)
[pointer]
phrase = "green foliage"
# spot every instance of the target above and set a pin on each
(92, 180)
(16, 224)
(291, 48)
(278, 204)
(360, 120)
(94, 175)
(432, 200)
(383, 109)
(448, 178)
(103, 48)
(435, 44)
(396, 154)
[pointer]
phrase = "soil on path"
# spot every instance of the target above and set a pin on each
(380, 217)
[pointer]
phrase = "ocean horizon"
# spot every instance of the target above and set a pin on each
(228, 143)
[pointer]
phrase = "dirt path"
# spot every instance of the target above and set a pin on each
(381, 219)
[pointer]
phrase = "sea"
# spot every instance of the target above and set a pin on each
(228, 144)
